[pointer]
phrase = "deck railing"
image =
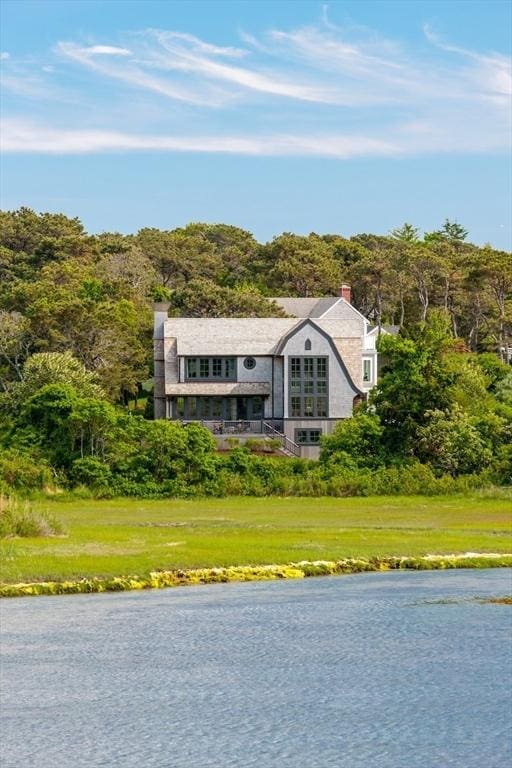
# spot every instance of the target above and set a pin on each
(287, 444)
(272, 428)
(236, 427)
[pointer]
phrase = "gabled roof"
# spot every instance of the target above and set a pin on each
(227, 336)
(312, 307)
(328, 307)
(280, 347)
(240, 336)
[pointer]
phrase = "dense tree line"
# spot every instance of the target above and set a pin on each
(62, 289)
(75, 345)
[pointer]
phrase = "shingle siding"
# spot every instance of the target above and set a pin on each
(341, 391)
(351, 353)
(334, 328)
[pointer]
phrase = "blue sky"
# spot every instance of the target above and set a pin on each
(274, 116)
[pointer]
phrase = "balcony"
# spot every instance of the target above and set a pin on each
(245, 429)
(238, 426)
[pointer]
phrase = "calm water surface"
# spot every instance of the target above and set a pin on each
(353, 671)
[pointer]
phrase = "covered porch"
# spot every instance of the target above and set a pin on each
(226, 403)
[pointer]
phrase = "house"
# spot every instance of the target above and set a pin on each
(291, 377)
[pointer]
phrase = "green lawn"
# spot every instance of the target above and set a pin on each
(127, 536)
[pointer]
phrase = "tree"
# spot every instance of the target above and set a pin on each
(92, 424)
(346, 251)
(62, 289)
(406, 233)
(165, 450)
(424, 271)
(236, 248)
(203, 298)
(454, 231)
(415, 379)
(29, 240)
(450, 268)
(493, 369)
(126, 273)
(451, 444)
(67, 424)
(504, 390)
(23, 231)
(72, 308)
(355, 442)
(370, 277)
(497, 269)
(399, 275)
(15, 343)
(43, 420)
(51, 368)
(300, 266)
(451, 231)
(180, 255)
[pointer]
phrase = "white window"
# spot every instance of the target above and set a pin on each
(367, 370)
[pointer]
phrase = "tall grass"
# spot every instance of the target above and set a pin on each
(19, 519)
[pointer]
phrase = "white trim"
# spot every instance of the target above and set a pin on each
(341, 299)
(368, 359)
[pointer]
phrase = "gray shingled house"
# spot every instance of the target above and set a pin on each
(287, 377)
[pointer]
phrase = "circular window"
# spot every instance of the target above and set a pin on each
(250, 363)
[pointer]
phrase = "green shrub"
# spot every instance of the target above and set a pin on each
(451, 443)
(153, 489)
(22, 472)
(255, 444)
(355, 442)
(90, 471)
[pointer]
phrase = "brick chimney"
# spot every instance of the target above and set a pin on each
(346, 293)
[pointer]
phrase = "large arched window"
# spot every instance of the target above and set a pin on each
(307, 345)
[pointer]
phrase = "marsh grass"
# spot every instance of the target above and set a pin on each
(505, 600)
(19, 519)
(118, 537)
(304, 569)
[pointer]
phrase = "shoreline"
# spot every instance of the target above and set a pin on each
(299, 570)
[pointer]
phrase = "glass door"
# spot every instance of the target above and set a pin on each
(249, 408)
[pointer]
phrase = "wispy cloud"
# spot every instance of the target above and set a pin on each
(185, 53)
(323, 64)
(22, 136)
(107, 50)
(27, 85)
(130, 72)
(189, 68)
(491, 73)
(270, 95)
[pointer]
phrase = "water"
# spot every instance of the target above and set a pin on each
(353, 671)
